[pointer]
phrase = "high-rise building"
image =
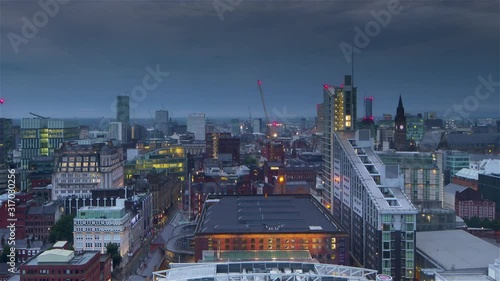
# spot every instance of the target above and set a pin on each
(340, 106)
(257, 125)
(81, 168)
(41, 137)
(320, 118)
(123, 109)
(400, 143)
(366, 197)
(6, 143)
(368, 108)
(139, 132)
(161, 122)
(123, 115)
(235, 127)
(196, 124)
(454, 161)
(116, 131)
(336, 117)
(423, 176)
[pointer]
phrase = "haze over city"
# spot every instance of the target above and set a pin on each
(249, 140)
(92, 51)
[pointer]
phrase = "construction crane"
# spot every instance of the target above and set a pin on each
(39, 116)
(268, 132)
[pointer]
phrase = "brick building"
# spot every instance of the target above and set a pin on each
(59, 265)
(469, 203)
(271, 223)
(274, 152)
(39, 220)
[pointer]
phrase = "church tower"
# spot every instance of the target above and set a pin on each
(400, 142)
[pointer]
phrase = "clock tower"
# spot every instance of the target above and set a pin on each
(400, 142)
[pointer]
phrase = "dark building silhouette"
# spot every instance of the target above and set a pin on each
(400, 143)
(489, 187)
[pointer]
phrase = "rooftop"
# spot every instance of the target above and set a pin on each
(261, 214)
(60, 244)
(263, 270)
(59, 256)
(456, 249)
(452, 188)
(462, 277)
(382, 182)
(43, 210)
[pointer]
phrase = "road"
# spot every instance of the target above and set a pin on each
(133, 263)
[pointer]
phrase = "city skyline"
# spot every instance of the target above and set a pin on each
(87, 54)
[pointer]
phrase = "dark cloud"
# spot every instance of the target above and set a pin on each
(93, 50)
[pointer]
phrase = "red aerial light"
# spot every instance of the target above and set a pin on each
(371, 117)
(371, 98)
(341, 85)
(259, 82)
(325, 86)
(275, 124)
(2, 101)
(364, 118)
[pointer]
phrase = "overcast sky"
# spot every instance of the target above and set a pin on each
(431, 52)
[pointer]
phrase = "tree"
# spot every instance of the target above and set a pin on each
(249, 160)
(112, 249)
(3, 257)
(62, 230)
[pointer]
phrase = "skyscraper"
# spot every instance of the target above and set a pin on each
(257, 125)
(123, 115)
(41, 137)
(368, 109)
(161, 122)
(196, 124)
(340, 106)
(6, 142)
(235, 127)
(116, 131)
(366, 197)
(320, 118)
(400, 127)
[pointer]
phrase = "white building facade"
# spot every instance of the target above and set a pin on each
(196, 124)
(82, 168)
(96, 227)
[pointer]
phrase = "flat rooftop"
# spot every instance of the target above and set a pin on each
(462, 277)
(263, 270)
(456, 249)
(80, 259)
(265, 214)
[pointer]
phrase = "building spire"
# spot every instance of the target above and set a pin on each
(400, 104)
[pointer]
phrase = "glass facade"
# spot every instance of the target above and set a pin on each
(170, 160)
(381, 231)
